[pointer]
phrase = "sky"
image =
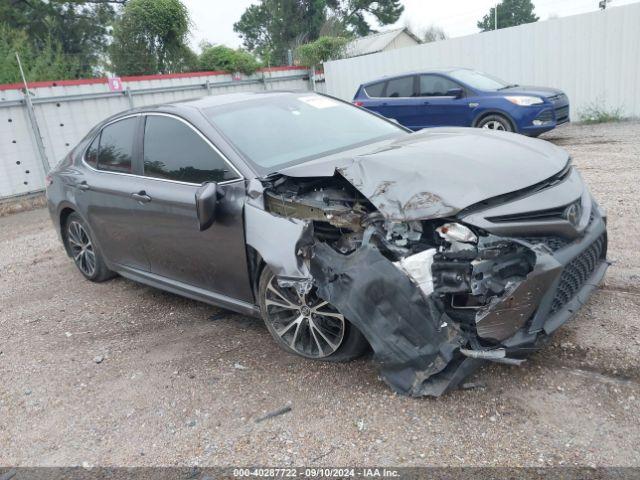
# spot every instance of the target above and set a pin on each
(213, 19)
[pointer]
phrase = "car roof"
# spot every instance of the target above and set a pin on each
(205, 102)
(420, 72)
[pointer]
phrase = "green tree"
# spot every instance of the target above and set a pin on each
(151, 37)
(510, 14)
(272, 27)
(78, 30)
(321, 50)
(45, 63)
(219, 57)
(353, 13)
(433, 34)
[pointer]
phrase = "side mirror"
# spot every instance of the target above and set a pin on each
(455, 92)
(206, 204)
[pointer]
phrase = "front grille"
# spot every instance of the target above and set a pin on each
(577, 272)
(562, 114)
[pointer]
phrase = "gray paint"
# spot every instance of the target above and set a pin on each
(418, 176)
(159, 242)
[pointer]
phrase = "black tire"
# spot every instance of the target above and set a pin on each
(495, 122)
(352, 343)
(84, 251)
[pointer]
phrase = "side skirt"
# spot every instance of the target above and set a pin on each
(186, 290)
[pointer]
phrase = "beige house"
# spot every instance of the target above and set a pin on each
(381, 42)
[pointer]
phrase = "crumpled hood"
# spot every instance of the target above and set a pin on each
(440, 171)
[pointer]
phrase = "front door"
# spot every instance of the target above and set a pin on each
(440, 109)
(177, 160)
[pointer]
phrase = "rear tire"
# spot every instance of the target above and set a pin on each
(307, 325)
(84, 251)
(495, 122)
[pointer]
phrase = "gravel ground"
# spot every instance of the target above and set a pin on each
(122, 374)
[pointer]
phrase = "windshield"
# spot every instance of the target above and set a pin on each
(480, 81)
(281, 130)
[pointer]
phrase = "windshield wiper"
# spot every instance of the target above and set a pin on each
(509, 86)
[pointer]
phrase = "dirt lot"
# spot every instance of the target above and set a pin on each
(182, 383)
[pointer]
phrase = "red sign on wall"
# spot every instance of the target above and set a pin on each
(115, 84)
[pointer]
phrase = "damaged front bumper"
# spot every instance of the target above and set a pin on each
(422, 350)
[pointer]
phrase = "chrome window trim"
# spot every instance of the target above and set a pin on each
(162, 114)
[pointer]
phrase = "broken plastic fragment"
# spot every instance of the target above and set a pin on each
(418, 267)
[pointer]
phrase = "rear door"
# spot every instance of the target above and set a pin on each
(439, 108)
(177, 160)
(400, 102)
(104, 194)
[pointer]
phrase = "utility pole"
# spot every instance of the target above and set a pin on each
(33, 120)
(495, 20)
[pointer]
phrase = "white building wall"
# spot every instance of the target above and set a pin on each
(65, 121)
(401, 41)
(594, 57)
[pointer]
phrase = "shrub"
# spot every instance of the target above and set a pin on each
(322, 50)
(597, 112)
(219, 57)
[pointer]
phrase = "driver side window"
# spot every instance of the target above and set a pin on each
(175, 151)
(435, 86)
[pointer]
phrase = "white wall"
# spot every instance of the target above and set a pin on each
(63, 123)
(592, 57)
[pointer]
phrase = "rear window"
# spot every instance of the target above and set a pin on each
(91, 157)
(116, 146)
(375, 90)
(400, 87)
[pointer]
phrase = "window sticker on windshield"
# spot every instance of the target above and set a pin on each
(319, 102)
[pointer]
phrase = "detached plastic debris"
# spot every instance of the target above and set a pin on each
(418, 267)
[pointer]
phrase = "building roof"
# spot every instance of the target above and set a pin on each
(376, 42)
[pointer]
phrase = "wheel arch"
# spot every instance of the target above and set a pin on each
(494, 111)
(65, 211)
(255, 265)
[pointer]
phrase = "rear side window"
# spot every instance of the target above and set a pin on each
(375, 90)
(174, 151)
(116, 146)
(435, 86)
(400, 87)
(91, 157)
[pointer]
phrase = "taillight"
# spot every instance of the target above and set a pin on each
(358, 104)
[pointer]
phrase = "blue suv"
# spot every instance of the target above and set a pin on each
(465, 98)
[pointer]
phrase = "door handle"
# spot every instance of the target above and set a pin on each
(141, 196)
(83, 186)
(425, 103)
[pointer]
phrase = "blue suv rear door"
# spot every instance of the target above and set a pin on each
(396, 99)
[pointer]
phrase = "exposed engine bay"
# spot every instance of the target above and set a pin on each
(433, 297)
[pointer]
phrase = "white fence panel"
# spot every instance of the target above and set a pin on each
(594, 57)
(65, 113)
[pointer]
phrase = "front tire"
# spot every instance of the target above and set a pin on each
(495, 122)
(84, 251)
(306, 325)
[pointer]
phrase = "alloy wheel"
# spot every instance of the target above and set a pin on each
(494, 125)
(304, 322)
(81, 248)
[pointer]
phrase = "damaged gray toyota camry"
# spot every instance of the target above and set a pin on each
(438, 250)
